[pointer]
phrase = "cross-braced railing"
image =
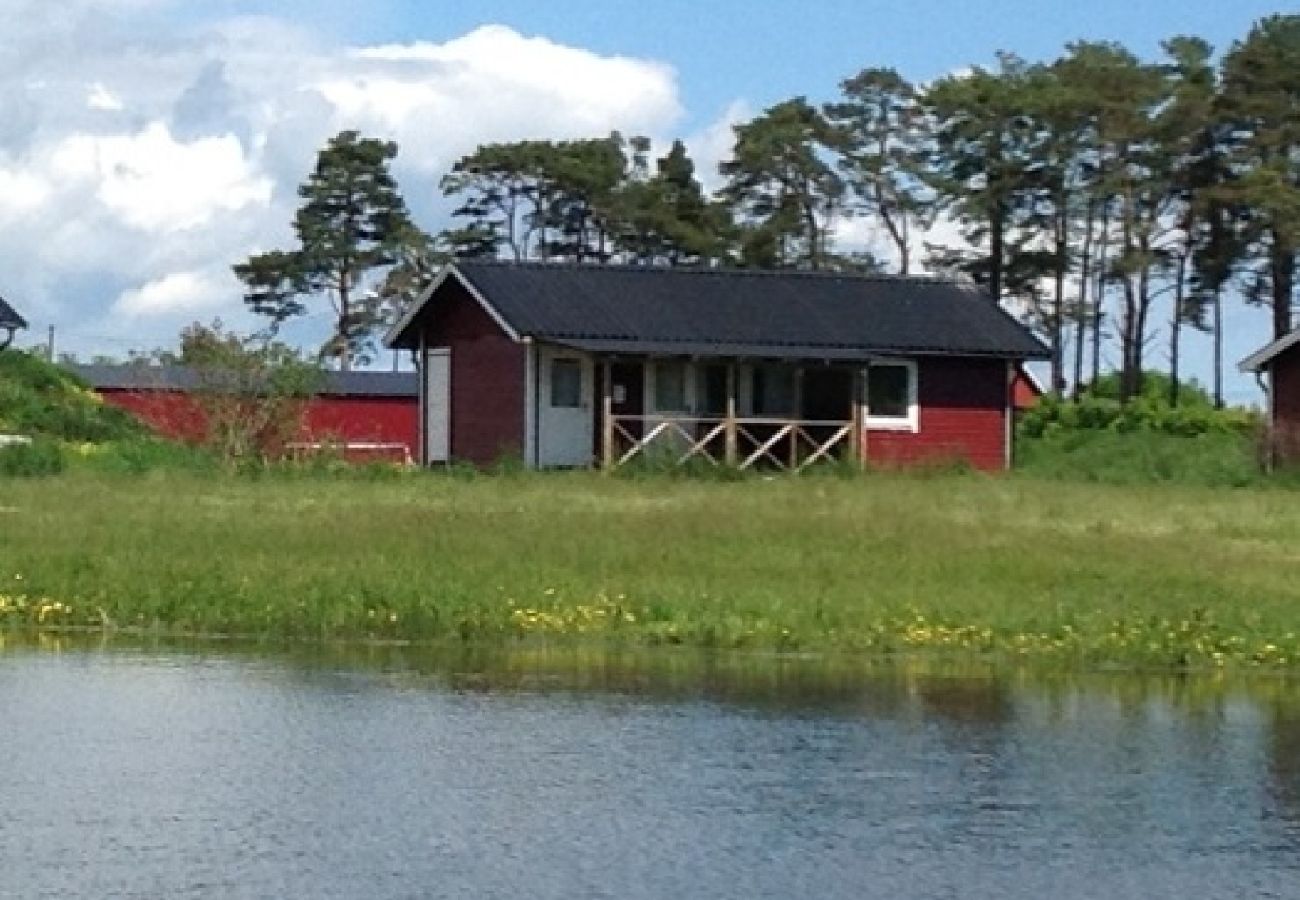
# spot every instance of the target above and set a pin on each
(742, 443)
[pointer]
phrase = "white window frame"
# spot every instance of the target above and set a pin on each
(910, 422)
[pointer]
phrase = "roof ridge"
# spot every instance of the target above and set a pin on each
(569, 265)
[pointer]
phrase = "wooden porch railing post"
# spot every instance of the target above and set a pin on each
(730, 440)
(607, 417)
(862, 412)
(798, 415)
(855, 419)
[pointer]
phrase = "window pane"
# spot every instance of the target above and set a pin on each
(566, 383)
(774, 391)
(713, 393)
(887, 392)
(670, 386)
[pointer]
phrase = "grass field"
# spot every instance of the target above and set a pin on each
(1082, 573)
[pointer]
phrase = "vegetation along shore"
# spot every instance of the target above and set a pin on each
(1023, 567)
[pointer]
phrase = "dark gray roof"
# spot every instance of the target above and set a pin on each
(9, 317)
(740, 312)
(179, 378)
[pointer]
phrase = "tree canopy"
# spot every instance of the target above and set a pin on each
(352, 224)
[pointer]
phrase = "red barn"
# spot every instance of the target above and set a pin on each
(369, 415)
(564, 365)
(1279, 362)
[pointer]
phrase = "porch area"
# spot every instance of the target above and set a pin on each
(733, 413)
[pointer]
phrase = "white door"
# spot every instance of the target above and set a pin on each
(564, 425)
(437, 406)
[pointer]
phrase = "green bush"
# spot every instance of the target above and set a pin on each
(34, 460)
(141, 456)
(1099, 409)
(1212, 459)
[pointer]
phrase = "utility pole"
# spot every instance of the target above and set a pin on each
(49, 346)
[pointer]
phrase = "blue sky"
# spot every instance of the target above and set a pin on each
(148, 144)
(767, 50)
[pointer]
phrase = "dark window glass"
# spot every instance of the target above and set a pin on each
(566, 383)
(715, 391)
(774, 391)
(670, 386)
(888, 392)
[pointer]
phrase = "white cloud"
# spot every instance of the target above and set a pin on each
(495, 84)
(184, 293)
(154, 183)
(140, 159)
(100, 97)
(21, 192)
(713, 144)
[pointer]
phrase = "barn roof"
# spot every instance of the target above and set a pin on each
(179, 378)
(9, 318)
(734, 312)
(1261, 358)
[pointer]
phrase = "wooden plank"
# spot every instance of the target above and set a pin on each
(729, 424)
(823, 451)
(607, 417)
(701, 447)
(765, 449)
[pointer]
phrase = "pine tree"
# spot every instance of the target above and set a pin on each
(882, 132)
(349, 229)
(782, 186)
(1261, 105)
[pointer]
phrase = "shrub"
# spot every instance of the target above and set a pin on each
(37, 459)
(1099, 409)
(1211, 459)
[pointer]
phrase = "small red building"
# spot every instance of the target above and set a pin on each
(368, 415)
(566, 365)
(1026, 389)
(1279, 365)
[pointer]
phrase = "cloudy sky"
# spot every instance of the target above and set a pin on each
(145, 145)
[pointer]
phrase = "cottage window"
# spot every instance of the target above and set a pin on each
(713, 388)
(566, 383)
(891, 396)
(670, 386)
(774, 391)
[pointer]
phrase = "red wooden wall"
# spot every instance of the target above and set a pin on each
(487, 378)
(338, 419)
(1286, 403)
(1024, 392)
(962, 417)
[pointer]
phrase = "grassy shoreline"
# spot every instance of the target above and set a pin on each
(961, 565)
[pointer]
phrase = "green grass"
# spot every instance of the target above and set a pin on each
(952, 564)
(42, 400)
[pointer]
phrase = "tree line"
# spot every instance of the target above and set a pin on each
(1095, 193)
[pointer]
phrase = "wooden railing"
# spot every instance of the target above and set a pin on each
(744, 442)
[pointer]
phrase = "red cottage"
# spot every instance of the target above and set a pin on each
(1279, 362)
(370, 415)
(564, 365)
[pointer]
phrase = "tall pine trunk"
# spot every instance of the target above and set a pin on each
(1218, 347)
(1176, 328)
(1081, 309)
(1099, 295)
(1282, 271)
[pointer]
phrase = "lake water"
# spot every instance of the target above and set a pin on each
(173, 772)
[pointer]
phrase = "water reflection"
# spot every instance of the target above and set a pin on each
(166, 769)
